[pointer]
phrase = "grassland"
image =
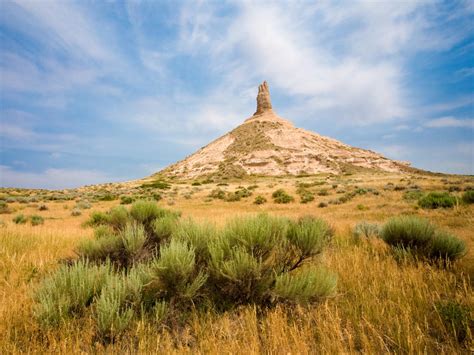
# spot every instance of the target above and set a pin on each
(384, 303)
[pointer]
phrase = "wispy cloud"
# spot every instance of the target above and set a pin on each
(449, 121)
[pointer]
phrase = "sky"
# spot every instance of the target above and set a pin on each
(103, 91)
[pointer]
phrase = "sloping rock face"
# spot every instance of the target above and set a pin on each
(266, 144)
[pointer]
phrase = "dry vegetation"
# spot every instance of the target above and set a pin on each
(385, 301)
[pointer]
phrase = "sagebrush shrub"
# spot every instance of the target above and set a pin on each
(36, 220)
(422, 237)
(435, 200)
(69, 291)
(19, 219)
(281, 196)
(259, 200)
(146, 262)
(366, 230)
(468, 197)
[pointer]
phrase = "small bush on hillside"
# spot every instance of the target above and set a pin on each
(412, 195)
(218, 194)
(322, 205)
(19, 219)
(83, 205)
(76, 212)
(4, 207)
(42, 208)
(196, 183)
(323, 192)
(281, 196)
(423, 238)
(126, 200)
(259, 200)
(36, 220)
(106, 197)
(437, 200)
(366, 230)
(158, 184)
(457, 318)
(306, 196)
(468, 197)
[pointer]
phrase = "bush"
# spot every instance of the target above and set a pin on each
(4, 207)
(43, 208)
(322, 204)
(83, 205)
(419, 235)
(366, 230)
(437, 200)
(158, 184)
(19, 219)
(468, 197)
(36, 220)
(456, 316)
(281, 196)
(126, 200)
(305, 286)
(162, 267)
(259, 200)
(306, 196)
(69, 291)
(412, 195)
(76, 212)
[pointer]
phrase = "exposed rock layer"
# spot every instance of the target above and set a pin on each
(266, 144)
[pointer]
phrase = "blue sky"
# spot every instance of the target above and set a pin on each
(99, 91)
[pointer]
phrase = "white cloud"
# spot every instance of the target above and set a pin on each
(449, 121)
(52, 178)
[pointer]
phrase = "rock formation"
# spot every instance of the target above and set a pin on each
(266, 144)
(263, 99)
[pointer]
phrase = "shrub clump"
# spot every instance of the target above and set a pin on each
(259, 200)
(281, 196)
(160, 267)
(365, 230)
(468, 197)
(435, 200)
(19, 219)
(423, 238)
(36, 220)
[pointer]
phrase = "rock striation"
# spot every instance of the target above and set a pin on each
(266, 144)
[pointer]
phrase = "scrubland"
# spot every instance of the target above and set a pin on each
(386, 299)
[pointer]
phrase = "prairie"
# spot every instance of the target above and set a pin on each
(384, 302)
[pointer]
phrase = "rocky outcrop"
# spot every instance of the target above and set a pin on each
(264, 104)
(266, 144)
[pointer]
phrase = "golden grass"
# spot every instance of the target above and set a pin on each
(381, 305)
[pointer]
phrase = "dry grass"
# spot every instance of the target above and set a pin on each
(381, 305)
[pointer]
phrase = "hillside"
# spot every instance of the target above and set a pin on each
(266, 144)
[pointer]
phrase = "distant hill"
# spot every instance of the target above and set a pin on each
(266, 144)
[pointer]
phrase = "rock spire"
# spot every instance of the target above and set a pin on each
(263, 99)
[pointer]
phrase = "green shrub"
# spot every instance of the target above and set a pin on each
(366, 230)
(36, 220)
(305, 286)
(43, 208)
(309, 235)
(69, 291)
(218, 194)
(118, 217)
(457, 318)
(83, 205)
(468, 197)
(115, 308)
(126, 200)
(19, 219)
(323, 192)
(437, 200)
(196, 183)
(322, 204)
(306, 196)
(158, 184)
(259, 200)
(423, 238)
(4, 207)
(281, 196)
(145, 211)
(107, 197)
(446, 246)
(162, 267)
(97, 218)
(408, 231)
